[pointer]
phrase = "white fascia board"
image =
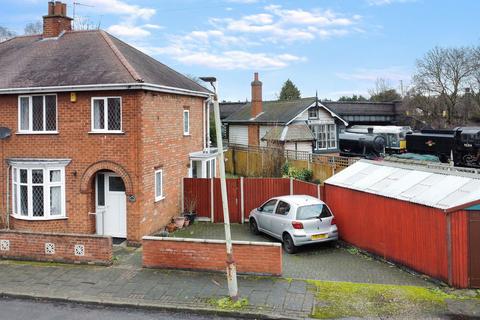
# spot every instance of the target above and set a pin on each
(100, 87)
(300, 113)
(333, 114)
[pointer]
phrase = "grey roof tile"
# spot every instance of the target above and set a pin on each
(80, 58)
(279, 112)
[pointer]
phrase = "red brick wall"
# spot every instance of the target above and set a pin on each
(163, 146)
(153, 138)
(253, 134)
(84, 149)
(31, 246)
(256, 258)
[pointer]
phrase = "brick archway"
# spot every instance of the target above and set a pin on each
(105, 165)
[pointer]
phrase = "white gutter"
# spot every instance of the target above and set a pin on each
(113, 86)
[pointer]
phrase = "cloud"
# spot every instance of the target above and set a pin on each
(119, 7)
(131, 15)
(394, 73)
(128, 31)
(277, 24)
(386, 2)
(243, 1)
(245, 42)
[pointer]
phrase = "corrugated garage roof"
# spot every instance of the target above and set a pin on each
(431, 187)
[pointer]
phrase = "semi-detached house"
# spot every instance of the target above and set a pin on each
(97, 135)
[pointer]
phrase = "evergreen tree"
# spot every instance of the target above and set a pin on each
(289, 91)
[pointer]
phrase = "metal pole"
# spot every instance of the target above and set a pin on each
(231, 267)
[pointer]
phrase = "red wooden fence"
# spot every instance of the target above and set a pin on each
(244, 194)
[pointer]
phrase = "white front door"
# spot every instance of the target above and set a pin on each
(111, 205)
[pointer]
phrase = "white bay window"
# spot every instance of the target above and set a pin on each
(38, 189)
(325, 136)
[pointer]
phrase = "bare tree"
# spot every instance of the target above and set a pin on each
(383, 92)
(6, 34)
(444, 73)
(33, 28)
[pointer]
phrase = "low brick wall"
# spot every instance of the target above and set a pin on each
(264, 258)
(56, 247)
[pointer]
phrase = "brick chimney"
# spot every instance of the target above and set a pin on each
(256, 96)
(56, 21)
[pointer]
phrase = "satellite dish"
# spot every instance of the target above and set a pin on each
(5, 133)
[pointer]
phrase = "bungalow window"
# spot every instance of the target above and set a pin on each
(325, 136)
(159, 185)
(37, 114)
(107, 114)
(38, 192)
(186, 122)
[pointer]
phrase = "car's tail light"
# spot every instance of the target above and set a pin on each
(333, 222)
(297, 225)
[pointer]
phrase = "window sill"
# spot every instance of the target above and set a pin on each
(37, 219)
(106, 132)
(36, 132)
(187, 135)
(159, 199)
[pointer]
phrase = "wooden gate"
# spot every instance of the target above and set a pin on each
(474, 244)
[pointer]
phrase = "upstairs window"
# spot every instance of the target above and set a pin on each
(313, 113)
(186, 122)
(37, 114)
(107, 114)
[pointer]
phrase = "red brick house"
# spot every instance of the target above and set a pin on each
(101, 133)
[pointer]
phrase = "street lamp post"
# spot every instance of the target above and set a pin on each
(231, 267)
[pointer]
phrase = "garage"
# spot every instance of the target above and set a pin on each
(426, 218)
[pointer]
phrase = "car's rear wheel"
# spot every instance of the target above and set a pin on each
(254, 227)
(288, 244)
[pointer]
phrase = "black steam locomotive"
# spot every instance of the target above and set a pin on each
(460, 145)
(370, 146)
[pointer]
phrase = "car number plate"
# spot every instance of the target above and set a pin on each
(319, 236)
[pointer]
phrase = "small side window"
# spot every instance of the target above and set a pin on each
(283, 208)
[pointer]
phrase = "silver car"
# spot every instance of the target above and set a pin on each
(295, 220)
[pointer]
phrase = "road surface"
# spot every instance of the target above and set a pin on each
(16, 309)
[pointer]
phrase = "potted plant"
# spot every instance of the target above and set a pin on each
(179, 222)
(191, 206)
(171, 227)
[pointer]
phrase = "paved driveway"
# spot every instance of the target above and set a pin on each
(326, 261)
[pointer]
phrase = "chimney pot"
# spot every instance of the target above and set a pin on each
(56, 21)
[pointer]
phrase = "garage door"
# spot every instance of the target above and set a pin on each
(474, 234)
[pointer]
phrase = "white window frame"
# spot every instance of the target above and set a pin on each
(47, 185)
(313, 110)
(161, 196)
(105, 106)
(30, 115)
(186, 115)
(328, 137)
(208, 168)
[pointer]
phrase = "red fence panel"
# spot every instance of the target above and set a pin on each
(197, 191)
(259, 190)
(233, 194)
(302, 187)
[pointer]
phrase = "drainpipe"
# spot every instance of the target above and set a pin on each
(7, 202)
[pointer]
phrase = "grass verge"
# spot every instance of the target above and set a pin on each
(345, 299)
